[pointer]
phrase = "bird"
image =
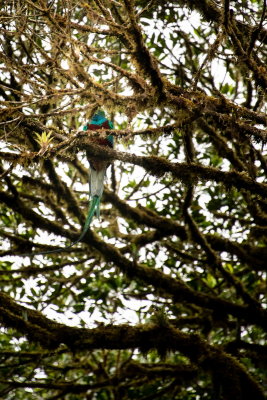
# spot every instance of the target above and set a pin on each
(97, 167)
(97, 175)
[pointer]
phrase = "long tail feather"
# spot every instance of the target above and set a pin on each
(97, 182)
(93, 209)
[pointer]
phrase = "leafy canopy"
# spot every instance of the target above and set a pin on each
(165, 297)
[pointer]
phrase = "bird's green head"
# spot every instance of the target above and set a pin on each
(100, 114)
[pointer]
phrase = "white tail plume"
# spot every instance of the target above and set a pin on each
(97, 182)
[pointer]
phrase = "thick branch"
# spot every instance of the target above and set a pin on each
(158, 166)
(144, 337)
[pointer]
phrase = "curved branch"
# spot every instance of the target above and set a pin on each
(158, 166)
(143, 337)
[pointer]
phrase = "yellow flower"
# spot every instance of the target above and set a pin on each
(43, 140)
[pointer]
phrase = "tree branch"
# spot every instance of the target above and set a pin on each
(144, 337)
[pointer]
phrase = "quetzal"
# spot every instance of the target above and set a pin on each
(97, 167)
(97, 174)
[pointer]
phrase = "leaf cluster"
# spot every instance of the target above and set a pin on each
(165, 296)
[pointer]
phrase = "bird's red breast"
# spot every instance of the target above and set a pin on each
(100, 140)
(94, 127)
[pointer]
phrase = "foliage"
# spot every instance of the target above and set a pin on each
(165, 297)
